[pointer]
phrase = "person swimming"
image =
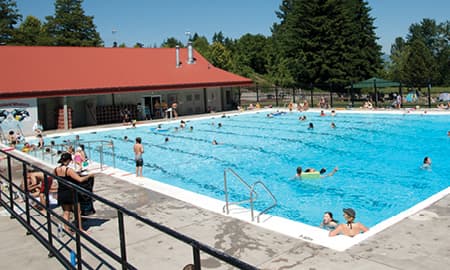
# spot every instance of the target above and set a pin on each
(312, 173)
(426, 163)
(351, 228)
(328, 222)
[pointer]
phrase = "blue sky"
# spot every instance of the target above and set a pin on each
(152, 21)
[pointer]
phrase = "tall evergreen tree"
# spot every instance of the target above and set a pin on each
(172, 43)
(201, 44)
(220, 57)
(218, 37)
(419, 68)
(398, 56)
(250, 51)
(70, 27)
(365, 61)
(9, 17)
(327, 41)
(435, 40)
(30, 33)
(443, 57)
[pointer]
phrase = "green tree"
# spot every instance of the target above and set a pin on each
(70, 27)
(220, 57)
(443, 56)
(280, 72)
(250, 50)
(218, 37)
(201, 44)
(364, 60)
(427, 32)
(419, 67)
(171, 43)
(9, 17)
(30, 33)
(326, 41)
(292, 40)
(435, 37)
(398, 56)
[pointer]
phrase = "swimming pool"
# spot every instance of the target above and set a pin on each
(378, 156)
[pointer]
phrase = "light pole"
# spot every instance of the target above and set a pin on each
(188, 34)
(114, 31)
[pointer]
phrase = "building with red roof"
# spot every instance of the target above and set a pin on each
(94, 85)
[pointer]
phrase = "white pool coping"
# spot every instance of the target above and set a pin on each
(277, 224)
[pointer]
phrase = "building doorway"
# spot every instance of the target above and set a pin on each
(152, 105)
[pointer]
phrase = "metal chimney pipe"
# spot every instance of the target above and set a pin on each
(190, 53)
(177, 55)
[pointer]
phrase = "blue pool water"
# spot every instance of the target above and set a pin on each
(378, 155)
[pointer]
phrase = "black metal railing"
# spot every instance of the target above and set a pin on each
(329, 95)
(43, 224)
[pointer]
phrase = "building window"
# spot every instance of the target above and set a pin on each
(189, 98)
(197, 97)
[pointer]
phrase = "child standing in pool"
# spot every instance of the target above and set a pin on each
(138, 149)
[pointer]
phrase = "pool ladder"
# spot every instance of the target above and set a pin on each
(252, 194)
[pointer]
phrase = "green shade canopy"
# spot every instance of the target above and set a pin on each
(374, 82)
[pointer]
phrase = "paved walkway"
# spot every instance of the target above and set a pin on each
(418, 242)
(21, 251)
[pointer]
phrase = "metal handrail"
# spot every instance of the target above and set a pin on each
(79, 236)
(3, 138)
(62, 147)
(227, 203)
(269, 192)
(100, 148)
(252, 197)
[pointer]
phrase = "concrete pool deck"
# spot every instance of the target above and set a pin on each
(417, 242)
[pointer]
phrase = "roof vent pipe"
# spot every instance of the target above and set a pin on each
(177, 55)
(190, 54)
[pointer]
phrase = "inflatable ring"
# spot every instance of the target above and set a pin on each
(310, 175)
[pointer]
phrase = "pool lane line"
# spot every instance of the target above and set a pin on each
(307, 132)
(185, 179)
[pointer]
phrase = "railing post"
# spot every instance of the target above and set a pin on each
(26, 195)
(123, 246)
(101, 157)
(251, 205)
(276, 96)
(90, 150)
(47, 213)
(11, 198)
(196, 254)
(226, 190)
(78, 225)
(113, 153)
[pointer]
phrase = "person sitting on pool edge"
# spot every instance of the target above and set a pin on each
(311, 170)
(351, 228)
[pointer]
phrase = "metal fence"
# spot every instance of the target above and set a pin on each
(327, 97)
(72, 254)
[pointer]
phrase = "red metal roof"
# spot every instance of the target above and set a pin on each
(69, 71)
